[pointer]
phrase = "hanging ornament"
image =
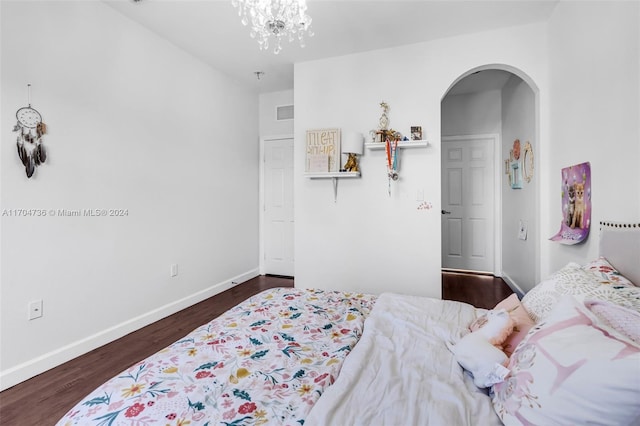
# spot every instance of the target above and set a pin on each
(391, 148)
(30, 129)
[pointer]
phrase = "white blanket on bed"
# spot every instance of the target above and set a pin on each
(401, 372)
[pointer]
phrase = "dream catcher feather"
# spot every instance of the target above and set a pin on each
(30, 129)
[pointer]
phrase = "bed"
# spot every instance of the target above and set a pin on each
(294, 357)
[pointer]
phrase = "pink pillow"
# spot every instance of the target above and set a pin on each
(523, 323)
(617, 317)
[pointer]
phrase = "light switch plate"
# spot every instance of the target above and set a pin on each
(522, 231)
(35, 309)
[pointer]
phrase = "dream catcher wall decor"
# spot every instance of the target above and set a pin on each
(30, 129)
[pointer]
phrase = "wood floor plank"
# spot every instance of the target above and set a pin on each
(47, 397)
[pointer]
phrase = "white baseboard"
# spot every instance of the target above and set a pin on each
(512, 284)
(38, 365)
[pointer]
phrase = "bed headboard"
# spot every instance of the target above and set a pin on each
(620, 245)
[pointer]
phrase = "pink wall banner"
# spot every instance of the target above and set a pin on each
(576, 204)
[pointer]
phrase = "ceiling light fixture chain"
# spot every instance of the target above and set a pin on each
(278, 18)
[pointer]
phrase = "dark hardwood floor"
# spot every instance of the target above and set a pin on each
(482, 291)
(44, 399)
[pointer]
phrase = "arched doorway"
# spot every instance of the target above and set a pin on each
(483, 112)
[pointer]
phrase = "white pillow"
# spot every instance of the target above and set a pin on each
(583, 285)
(571, 369)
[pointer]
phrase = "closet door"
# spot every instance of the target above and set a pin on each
(278, 207)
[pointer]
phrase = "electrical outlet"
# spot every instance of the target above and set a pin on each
(35, 309)
(174, 269)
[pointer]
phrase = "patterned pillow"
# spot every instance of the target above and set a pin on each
(581, 284)
(571, 369)
(602, 269)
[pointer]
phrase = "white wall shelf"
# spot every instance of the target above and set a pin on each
(401, 144)
(334, 176)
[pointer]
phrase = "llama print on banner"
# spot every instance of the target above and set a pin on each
(576, 204)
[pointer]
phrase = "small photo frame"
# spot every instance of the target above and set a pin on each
(416, 133)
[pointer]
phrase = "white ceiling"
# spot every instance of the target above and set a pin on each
(211, 30)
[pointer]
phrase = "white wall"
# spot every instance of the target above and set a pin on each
(584, 65)
(136, 124)
(268, 103)
(518, 122)
(595, 80)
(369, 241)
(472, 113)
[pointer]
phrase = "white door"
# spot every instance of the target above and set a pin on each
(468, 203)
(278, 207)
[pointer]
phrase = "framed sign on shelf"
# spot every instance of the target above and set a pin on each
(321, 143)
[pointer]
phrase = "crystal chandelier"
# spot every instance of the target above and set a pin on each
(280, 18)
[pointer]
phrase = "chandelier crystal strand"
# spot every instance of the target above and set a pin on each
(278, 18)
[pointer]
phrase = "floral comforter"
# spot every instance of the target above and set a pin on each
(265, 361)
